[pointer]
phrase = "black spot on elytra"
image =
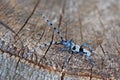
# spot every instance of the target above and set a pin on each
(74, 48)
(81, 49)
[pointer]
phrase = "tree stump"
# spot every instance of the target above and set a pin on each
(93, 21)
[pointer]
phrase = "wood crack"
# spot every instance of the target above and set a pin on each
(38, 1)
(102, 49)
(7, 27)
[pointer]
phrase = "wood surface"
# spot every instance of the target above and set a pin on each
(96, 22)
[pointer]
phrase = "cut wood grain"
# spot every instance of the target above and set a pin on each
(94, 21)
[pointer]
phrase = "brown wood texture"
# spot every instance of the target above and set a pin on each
(94, 21)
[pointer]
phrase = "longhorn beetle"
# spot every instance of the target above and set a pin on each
(68, 44)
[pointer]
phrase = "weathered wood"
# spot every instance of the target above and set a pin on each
(92, 21)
